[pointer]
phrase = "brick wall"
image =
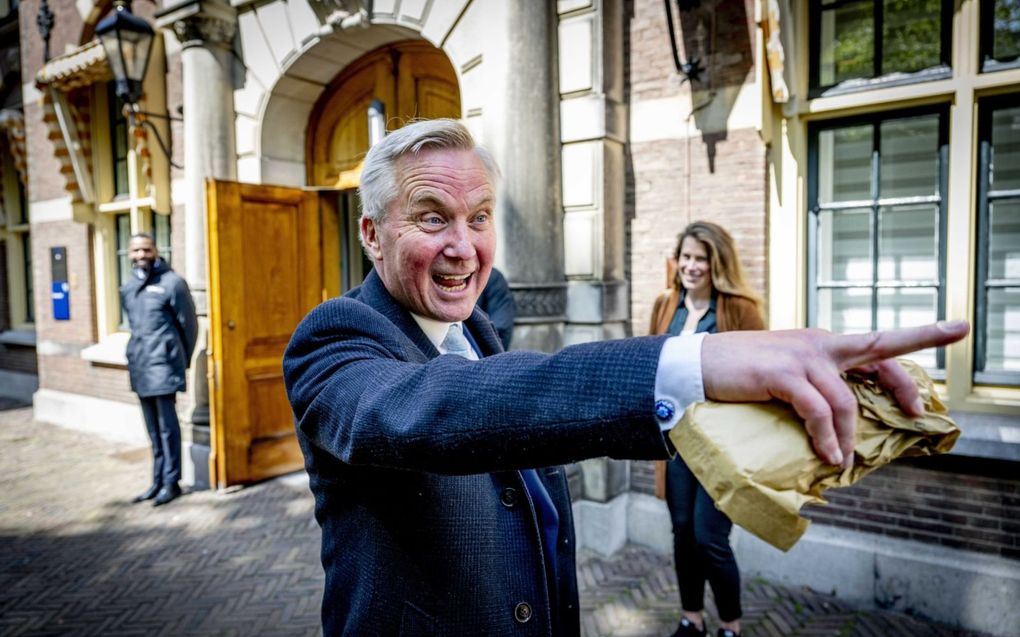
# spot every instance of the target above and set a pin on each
(74, 375)
(957, 502)
(670, 188)
(714, 175)
(81, 329)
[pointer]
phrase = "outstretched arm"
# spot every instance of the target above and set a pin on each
(803, 367)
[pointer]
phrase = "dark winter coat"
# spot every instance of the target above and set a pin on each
(164, 330)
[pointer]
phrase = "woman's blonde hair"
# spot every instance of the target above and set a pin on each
(727, 272)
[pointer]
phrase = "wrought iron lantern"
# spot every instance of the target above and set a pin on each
(128, 42)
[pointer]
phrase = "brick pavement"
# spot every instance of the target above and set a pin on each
(77, 559)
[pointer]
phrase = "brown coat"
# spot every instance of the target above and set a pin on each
(731, 312)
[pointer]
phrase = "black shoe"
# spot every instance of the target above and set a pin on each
(687, 628)
(166, 494)
(726, 632)
(149, 494)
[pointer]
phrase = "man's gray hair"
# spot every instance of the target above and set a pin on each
(378, 186)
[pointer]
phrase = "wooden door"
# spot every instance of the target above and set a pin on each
(265, 274)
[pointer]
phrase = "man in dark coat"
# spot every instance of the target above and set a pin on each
(164, 330)
(432, 456)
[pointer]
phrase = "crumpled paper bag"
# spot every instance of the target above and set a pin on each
(756, 461)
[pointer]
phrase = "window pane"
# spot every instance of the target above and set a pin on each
(1002, 345)
(1006, 149)
(26, 251)
(845, 311)
(1006, 26)
(161, 233)
(118, 142)
(909, 307)
(911, 35)
(1004, 240)
(844, 164)
(909, 157)
(123, 222)
(908, 243)
(844, 245)
(847, 43)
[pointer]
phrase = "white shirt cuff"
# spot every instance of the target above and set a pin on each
(678, 381)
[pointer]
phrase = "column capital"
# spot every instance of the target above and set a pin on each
(203, 23)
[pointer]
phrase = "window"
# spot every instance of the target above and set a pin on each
(877, 224)
(26, 255)
(15, 232)
(118, 143)
(161, 235)
(860, 40)
(122, 222)
(997, 320)
(1000, 34)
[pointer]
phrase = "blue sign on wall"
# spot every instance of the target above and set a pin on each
(60, 291)
(61, 301)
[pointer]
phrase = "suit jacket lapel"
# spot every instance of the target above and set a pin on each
(372, 292)
(485, 335)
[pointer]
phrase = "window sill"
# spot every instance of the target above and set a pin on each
(21, 337)
(885, 81)
(110, 350)
(125, 205)
(987, 435)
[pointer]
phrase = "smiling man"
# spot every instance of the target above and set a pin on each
(435, 462)
(164, 330)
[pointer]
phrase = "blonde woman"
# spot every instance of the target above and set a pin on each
(709, 294)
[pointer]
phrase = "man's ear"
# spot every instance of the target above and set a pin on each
(370, 238)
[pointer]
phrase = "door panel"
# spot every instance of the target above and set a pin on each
(265, 274)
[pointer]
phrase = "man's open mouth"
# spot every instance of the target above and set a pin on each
(452, 282)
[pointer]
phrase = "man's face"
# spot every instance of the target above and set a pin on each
(142, 252)
(434, 248)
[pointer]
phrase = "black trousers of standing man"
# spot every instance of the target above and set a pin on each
(165, 435)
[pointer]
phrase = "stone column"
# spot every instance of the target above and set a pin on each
(593, 125)
(205, 29)
(532, 214)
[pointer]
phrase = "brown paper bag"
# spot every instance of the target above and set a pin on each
(756, 461)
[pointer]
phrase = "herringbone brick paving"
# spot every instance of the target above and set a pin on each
(77, 559)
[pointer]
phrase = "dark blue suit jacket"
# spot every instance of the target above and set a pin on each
(414, 458)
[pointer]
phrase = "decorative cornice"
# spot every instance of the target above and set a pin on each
(200, 22)
(202, 30)
(542, 301)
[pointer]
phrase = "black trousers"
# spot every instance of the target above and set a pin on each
(701, 545)
(165, 436)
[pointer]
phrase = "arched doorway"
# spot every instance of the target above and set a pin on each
(411, 79)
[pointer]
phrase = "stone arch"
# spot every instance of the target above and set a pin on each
(285, 79)
(289, 104)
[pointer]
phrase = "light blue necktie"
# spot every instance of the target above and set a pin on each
(456, 343)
